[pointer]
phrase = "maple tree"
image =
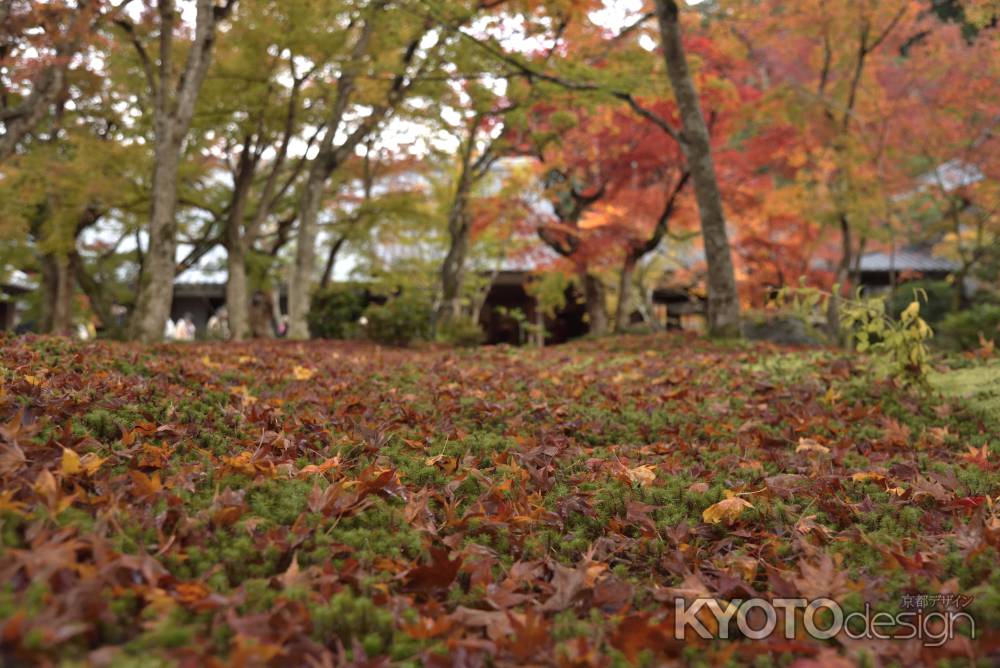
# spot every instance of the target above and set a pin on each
(604, 170)
(39, 43)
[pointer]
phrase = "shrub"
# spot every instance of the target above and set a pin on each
(961, 330)
(897, 346)
(334, 311)
(460, 331)
(402, 320)
(940, 299)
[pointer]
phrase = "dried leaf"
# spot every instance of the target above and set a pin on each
(727, 510)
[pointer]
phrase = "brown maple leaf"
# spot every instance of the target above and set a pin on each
(438, 574)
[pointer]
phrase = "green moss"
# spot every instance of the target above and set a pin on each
(978, 386)
(347, 616)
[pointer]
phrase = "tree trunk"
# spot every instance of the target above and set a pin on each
(453, 268)
(58, 288)
(840, 282)
(156, 284)
(459, 227)
(174, 105)
(623, 312)
(597, 309)
(327, 160)
(301, 283)
(958, 296)
(331, 260)
(538, 330)
(237, 303)
(723, 301)
(237, 299)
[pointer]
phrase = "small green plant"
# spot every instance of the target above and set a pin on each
(900, 344)
(400, 321)
(897, 345)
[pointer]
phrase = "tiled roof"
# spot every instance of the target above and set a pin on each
(905, 261)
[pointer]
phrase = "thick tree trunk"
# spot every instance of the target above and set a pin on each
(58, 289)
(237, 303)
(327, 160)
(174, 106)
(623, 312)
(156, 284)
(237, 299)
(300, 285)
(597, 308)
(723, 300)
(459, 225)
(453, 268)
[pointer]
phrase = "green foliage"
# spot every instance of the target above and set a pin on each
(460, 331)
(961, 330)
(334, 311)
(402, 320)
(897, 345)
(525, 328)
(939, 301)
(549, 290)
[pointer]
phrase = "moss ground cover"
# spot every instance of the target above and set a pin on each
(281, 503)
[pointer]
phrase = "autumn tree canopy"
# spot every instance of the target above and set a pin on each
(728, 148)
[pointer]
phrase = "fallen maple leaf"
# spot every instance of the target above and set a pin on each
(821, 578)
(865, 476)
(91, 463)
(922, 486)
(643, 475)
(811, 445)
(313, 469)
(728, 510)
(895, 433)
(70, 462)
(437, 575)
(568, 582)
(302, 373)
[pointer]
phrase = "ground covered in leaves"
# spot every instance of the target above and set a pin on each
(323, 503)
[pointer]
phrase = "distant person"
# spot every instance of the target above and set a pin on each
(185, 328)
(169, 331)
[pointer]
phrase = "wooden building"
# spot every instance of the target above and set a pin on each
(509, 292)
